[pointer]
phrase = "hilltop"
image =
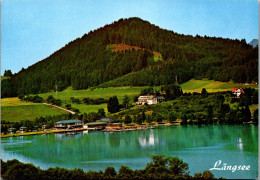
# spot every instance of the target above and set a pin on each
(254, 42)
(149, 56)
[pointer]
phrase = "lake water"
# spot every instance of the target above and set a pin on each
(200, 147)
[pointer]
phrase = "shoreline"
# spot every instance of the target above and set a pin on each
(42, 132)
(125, 128)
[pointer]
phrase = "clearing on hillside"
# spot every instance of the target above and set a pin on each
(123, 47)
(212, 86)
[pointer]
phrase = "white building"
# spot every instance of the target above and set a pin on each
(150, 99)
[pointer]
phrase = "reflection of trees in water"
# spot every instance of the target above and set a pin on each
(114, 139)
(96, 146)
(191, 136)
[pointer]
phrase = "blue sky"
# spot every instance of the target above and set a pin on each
(31, 30)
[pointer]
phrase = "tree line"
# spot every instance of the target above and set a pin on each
(160, 167)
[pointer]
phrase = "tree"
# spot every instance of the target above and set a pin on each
(50, 99)
(255, 97)
(101, 112)
(128, 119)
(207, 175)
(184, 119)
(158, 118)
(147, 91)
(21, 97)
(172, 117)
(72, 99)
(173, 165)
(209, 114)
(149, 119)
(200, 116)
(171, 91)
(134, 119)
(204, 92)
(22, 171)
(255, 116)
(57, 102)
(113, 105)
(247, 114)
(220, 99)
(177, 166)
(239, 117)
(77, 101)
(139, 119)
(6, 88)
(68, 106)
(143, 116)
(126, 101)
(8, 73)
(135, 99)
(110, 173)
(125, 173)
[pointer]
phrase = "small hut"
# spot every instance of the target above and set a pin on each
(107, 120)
(23, 129)
(11, 130)
(68, 124)
(95, 125)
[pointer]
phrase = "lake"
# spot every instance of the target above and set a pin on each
(200, 146)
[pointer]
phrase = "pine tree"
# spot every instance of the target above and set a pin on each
(113, 105)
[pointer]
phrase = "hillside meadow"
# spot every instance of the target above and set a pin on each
(15, 110)
(12, 109)
(212, 86)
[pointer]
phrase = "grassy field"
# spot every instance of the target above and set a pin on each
(14, 110)
(14, 102)
(212, 86)
(105, 93)
(28, 112)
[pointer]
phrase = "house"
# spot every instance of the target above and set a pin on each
(114, 126)
(150, 99)
(107, 120)
(23, 129)
(68, 124)
(11, 130)
(237, 92)
(160, 99)
(95, 125)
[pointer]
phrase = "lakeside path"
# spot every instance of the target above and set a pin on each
(72, 112)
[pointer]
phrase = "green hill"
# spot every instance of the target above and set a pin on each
(90, 60)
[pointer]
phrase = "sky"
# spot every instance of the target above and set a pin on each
(32, 30)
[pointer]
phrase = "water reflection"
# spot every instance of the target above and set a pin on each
(240, 144)
(59, 136)
(114, 139)
(234, 144)
(149, 140)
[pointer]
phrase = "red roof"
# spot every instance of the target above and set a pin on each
(242, 91)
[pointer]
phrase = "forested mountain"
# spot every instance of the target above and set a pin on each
(254, 42)
(90, 60)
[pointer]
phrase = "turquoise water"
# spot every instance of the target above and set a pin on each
(200, 147)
